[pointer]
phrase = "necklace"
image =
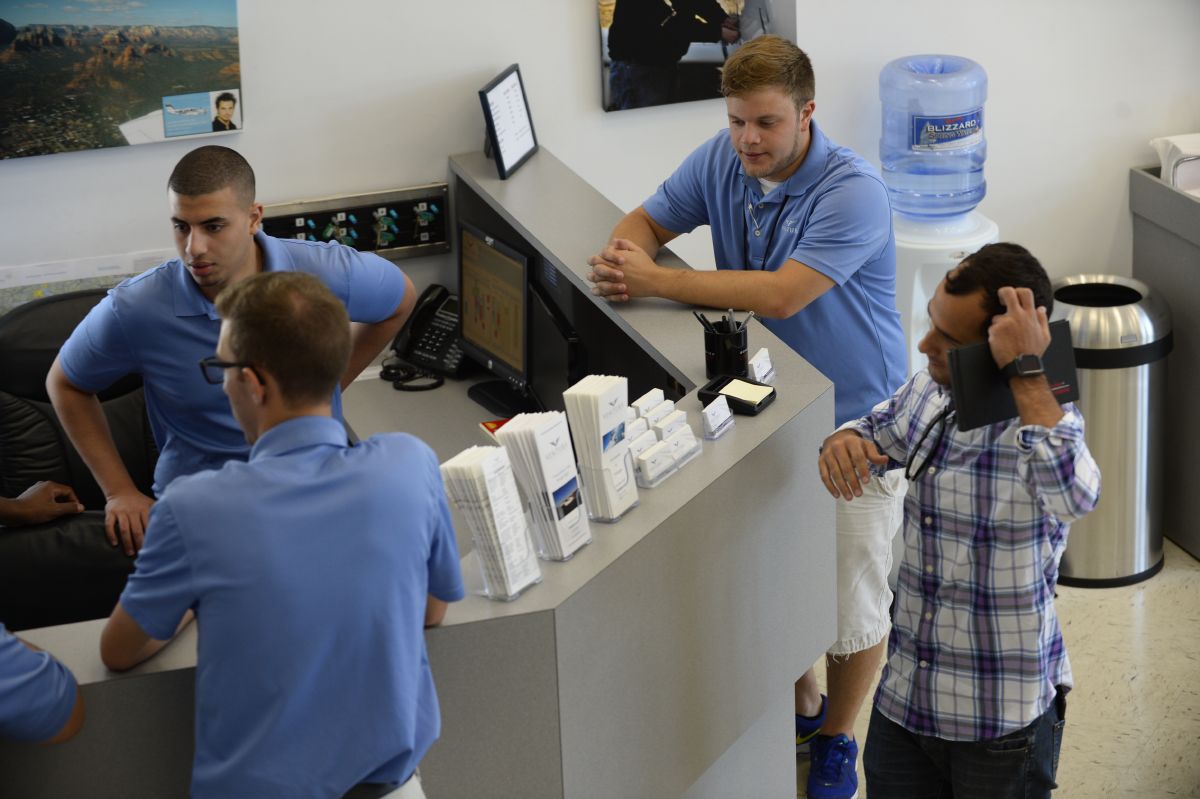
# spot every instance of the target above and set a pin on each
(758, 229)
(754, 219)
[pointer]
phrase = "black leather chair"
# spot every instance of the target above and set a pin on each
(62, 571)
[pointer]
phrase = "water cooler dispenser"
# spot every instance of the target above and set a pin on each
(932, 150)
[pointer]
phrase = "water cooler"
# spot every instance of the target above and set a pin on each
(926, 249)
(932, 150)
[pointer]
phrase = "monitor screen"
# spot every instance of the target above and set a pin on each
(493, 289)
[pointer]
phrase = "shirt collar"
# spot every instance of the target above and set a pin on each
(299, 433)
(810, 171)
(186, 297)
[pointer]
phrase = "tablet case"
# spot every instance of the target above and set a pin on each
(981, 394)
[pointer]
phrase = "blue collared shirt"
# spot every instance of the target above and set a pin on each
(37, 693)
(975, 650)
(308, 568)
(159, 325)
(832, 215)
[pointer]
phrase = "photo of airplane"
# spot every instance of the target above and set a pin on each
(187, 112)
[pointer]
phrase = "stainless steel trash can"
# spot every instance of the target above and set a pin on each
(1121, 331)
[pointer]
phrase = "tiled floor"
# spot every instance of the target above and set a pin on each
(1133, 719)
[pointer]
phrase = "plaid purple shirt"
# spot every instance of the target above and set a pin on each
(975, 650)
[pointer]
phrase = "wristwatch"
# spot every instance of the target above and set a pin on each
(1024, 366)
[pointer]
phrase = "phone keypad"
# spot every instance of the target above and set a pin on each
(438, 344)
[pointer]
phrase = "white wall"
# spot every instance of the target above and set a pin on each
(376, 94)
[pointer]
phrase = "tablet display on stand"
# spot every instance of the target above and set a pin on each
(510, 137)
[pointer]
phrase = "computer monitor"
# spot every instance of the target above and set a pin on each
(493, 287)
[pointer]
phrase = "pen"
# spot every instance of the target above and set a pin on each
(704, 321)
(746, 321)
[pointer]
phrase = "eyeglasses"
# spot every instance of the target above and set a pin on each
(213, 369)
(940, 422)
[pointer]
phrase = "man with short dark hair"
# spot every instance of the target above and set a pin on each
(313, 568)
(972, 698)
(161, 322)
(224, 104)
(802, 234)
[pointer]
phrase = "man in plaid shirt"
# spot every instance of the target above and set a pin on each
(971, 700)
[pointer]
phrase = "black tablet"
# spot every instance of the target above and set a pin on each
(509, 123)
(981, 393)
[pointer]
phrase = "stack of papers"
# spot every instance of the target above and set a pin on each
(479, 481)
(539, 447)
(596, 412)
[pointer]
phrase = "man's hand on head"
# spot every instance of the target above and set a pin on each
(126, 516)
(1022, 329)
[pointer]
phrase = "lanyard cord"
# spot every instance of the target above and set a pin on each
(941, 419)
(746, 228)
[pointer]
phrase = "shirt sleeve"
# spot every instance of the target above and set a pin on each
(850, 225)
(888, 424)
(376, 287)
(98, 353)
(679, 204)
(37, 693)
(1057, 467)
(161, 588)
(445, 574)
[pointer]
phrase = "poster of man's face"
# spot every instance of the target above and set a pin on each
(654, 52)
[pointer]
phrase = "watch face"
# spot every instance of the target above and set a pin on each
(1029, 365)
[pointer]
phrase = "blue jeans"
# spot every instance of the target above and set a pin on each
(1020, 765)
(637, 85)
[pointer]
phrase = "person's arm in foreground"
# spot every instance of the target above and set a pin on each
(41, 502)
(124, 644)
(39, 698)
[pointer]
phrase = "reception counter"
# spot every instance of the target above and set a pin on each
(657, 662)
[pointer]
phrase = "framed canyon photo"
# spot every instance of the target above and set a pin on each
(88, 75)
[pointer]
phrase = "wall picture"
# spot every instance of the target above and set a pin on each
(654, 52)
(88, 74)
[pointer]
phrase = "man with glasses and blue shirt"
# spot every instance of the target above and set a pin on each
(312, 568)
(971, 702)
(161, 322)
(802, 234)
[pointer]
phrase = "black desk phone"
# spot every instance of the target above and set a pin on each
(429, 340)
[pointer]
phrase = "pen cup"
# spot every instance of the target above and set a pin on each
(725, 352)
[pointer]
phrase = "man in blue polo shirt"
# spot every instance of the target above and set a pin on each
(802, 234)
(312, 569)
(161, 322)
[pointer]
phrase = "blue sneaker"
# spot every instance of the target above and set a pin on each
(833, 774)
(807, 726)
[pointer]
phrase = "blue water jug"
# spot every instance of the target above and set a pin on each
(932, 148)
